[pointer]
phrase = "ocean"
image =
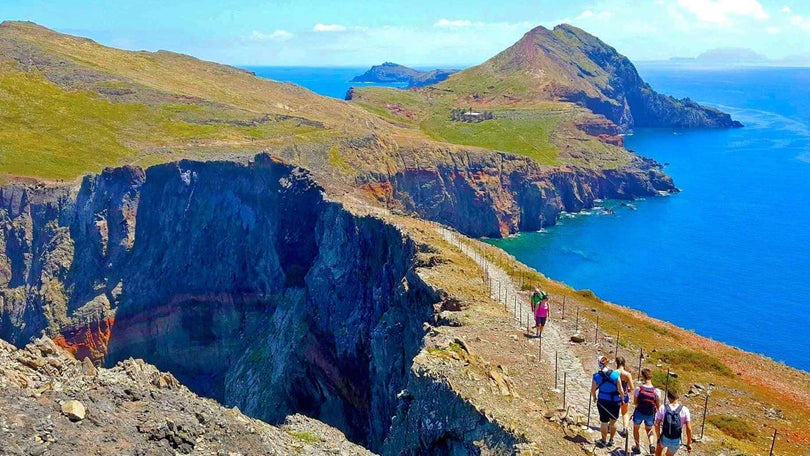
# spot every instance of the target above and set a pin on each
(729, 256)
(331, 82)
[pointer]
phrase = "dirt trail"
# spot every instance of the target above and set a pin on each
(505, 291)
(554, 340)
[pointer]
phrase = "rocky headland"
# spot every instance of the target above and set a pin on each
(392, 72)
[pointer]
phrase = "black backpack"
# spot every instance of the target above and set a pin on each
(672, 422)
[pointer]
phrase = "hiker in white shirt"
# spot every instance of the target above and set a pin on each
(669, 423)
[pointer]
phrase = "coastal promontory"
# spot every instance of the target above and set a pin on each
(392, 72)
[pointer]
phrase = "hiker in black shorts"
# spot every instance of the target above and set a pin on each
(607, 390)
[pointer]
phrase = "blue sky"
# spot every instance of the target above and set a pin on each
(417, 32)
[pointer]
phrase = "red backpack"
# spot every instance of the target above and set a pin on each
(646, 400)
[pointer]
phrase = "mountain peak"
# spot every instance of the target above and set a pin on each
(569, 64)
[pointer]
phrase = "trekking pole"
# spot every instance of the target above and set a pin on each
(626, 443)
(705, 411)
(617, 344)
(773, 442)
(590, 400)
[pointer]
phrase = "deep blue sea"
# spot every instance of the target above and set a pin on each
(729, 256)
(332, 82)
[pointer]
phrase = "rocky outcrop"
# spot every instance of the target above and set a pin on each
(132, 408)
(499, 194)
(243, 281)
(392, 72)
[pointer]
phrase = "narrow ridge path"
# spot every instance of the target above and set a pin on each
(505, 291)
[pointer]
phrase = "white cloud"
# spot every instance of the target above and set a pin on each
(786, 10)
(722, 11)
(800, 22)
(329, 28)
(773, 30)
(275, 35)
(454, 23)
(587, 14)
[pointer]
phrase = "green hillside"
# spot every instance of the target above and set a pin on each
(69, 106)
(558, 96)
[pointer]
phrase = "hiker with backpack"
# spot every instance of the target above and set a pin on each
(607, 391)
(540, 309)
(647, 400)
(627, 381)
(669, 423)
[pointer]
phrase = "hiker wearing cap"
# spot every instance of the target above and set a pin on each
(627, 381)
(607, 391)
(669, 423)
(540, 310)
(647, 400)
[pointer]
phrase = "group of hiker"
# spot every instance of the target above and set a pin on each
(613, 389)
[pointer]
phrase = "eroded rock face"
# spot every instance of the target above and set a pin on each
(241, 280)
(499, 194)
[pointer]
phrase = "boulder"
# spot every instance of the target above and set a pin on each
(74, 410)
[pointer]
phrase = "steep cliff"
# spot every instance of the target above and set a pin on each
(242, 280)
(496, 195)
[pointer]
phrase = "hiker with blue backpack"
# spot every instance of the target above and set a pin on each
(608, 392)
(647, 399)
(670, 421)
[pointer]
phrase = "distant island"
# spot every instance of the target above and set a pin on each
(393, 72)
(730, 57)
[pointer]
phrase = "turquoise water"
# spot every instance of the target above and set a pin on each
(729, 256)
(331, 82)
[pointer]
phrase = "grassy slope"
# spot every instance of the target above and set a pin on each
(81, 106)
(519, 86)
(541, 130)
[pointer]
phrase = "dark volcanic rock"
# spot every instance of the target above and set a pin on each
(243, 281)
(494, 195)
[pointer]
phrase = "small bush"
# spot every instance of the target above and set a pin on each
(660, 381)
(695, 360)
(305, 436)
(658, 329)
(586, 294)
(732, 426)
